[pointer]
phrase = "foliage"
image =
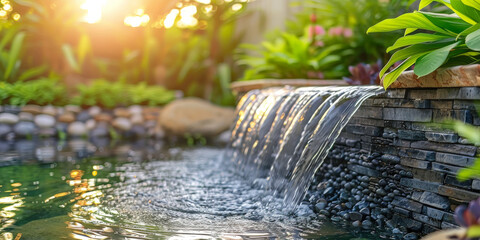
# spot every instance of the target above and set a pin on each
(326, 38)
(433, 40)
(291, 57)
(43, 91)
(113, 94)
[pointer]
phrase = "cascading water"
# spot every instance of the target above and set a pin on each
(283, 135)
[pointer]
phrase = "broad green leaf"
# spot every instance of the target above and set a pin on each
(407, 20)
(415, 39)
(405, 53)
(432, 61)
(470, 172)
(469, 132)
(447, 22)
(70, 57)
(472, 3)
(424, 3)
(469, 14)
(469, 30)
(13, 56)
(395, 73)
(409, 30)
(473, 40)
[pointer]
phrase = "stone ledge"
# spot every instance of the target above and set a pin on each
(460, 76)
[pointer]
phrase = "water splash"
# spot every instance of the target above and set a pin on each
(283, 135)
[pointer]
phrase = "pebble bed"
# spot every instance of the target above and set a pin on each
(74, 122)
(343, 194)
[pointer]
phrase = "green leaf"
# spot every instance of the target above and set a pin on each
(472, 3)
(13, 56)
(70, 56)
(473, 40)
(407, 20)
(415, 39)
(424, 3)
(473, 231)
(432, 61)
(470, 172)
(469, 30)
(395, 73)
(447, 22)
(469, 12)
(32, 72)
(405, 53)
(83, 48)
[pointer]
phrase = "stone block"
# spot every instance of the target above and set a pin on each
(396, 93)
(435, 200)
(464, 105)
(401, 211)
(422, 94)
(414, 163)
(426, 219)
(364, 170)
(407, 222)
(445, 147)
(441, 137)
(435, 127)
(387, 149)
(411, 135)
(459, 194)
(421, 103)
(447, 225)
(453, 159)
(419, 184)
(398, 125)
(453, 181)
(427, 175)
(367, 121)
(476, 184)
(407, 204)
(408, 114)
(417, 154)
(401, 143)
(369, 112)
(464, 93)
(390, 158)
(433, 213)
(441, 104)
(388, 102)
(445, 168)
(364, 130)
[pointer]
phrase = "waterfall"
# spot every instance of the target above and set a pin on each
(283, 134)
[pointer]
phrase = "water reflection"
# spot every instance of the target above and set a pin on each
(140, 190)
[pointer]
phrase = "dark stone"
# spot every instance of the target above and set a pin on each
(407, 204)
(356, 216)
(390, 158)
(365, 211)
(464, 105)
(83, 116)
(452, 180)
(367, 223)
(458, 194)
(396, 93)
(415, 163)
(407, 114)
(410, 236)
(435, 200)
(476, 184)
(411, 135)
(402, 211)
(5, 129)
(363, 130)
(419, 184)
(441, 104)
(417, 154)
(453, 159)
(434, 213)
(426, 219)
(406, 222)
(370, 112)
(464, 93)
(442, 137)
(363, 170)
(444, 147)
(445, 168)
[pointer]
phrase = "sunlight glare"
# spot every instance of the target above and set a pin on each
(170, 19)
(94, 10)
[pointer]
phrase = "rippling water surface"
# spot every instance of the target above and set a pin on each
(142, 190)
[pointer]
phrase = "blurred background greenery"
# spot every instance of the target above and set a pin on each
(123, 52)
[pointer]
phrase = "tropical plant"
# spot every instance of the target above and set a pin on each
(433, 40)
(44, 91)
(291, 57)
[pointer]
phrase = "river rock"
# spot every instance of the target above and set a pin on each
(90, 124)
(47, 132)
(5, 130)
(197, 117)
(8, 118)
(83, 116)
(94, 111)
(77, 129)
(44, 121)
(33, 109)
(25, 116)
(73, 108)
(121, 113)
(25, 128)
(135, 109)
(49, 110)
(67, 117)
(122, 124)
(137, 119)
(100, 131)
(103, 117)
(138, 131)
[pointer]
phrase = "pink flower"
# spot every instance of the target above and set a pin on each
(313, 18)
(335, 31)
(319, 44)
(347, 32)
(316, 30)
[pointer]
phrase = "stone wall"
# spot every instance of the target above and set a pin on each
(396, 167)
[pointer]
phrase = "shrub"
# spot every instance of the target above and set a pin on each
(433, 40)
(43, 91)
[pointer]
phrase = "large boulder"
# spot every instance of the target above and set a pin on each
(196, 117)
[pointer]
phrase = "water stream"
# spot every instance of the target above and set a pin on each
(283, 135)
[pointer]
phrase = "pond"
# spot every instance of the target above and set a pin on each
(141, 190)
